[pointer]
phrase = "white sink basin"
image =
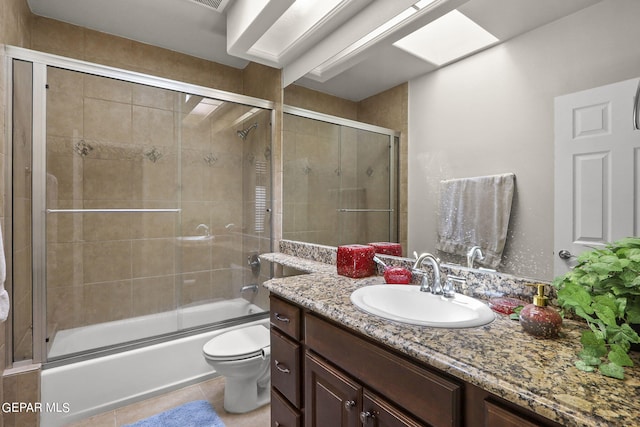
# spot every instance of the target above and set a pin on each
(405, 303)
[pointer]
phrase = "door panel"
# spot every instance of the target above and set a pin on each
(596, 169)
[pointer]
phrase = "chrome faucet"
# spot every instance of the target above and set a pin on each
(436, 289)
(253, 288)
(204, 227)
(472, 254)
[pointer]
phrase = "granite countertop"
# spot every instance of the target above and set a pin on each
(499, 357)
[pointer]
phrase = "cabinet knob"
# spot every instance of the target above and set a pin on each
(348, 404)
(366, 416)
(276, 424)
(281, 318)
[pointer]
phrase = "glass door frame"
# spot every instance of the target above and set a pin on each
(41, 61)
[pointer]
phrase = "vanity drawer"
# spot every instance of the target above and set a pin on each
(286, 317)
(282, 414)
(427, 395)
(286, 368)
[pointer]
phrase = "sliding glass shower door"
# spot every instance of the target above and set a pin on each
(147, 202)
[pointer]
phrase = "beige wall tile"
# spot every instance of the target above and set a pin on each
(107, 301)
(110, 179)
(154, 97)
(153, 257)
(106, 261)
(107, 121)
(65, 308)
(106, 89)
(153, 126)
(153, 295)
(64, 264)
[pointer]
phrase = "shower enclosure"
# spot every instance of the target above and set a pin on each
(340, 183)
(138, 204)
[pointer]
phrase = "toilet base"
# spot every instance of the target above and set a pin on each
(243, 395)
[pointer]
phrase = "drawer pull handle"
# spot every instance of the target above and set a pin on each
(366, 416)
(277, 424)
(281, 369)
(281, 318)
(349, 404)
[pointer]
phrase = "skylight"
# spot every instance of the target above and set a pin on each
(380, 31)
(449, 37)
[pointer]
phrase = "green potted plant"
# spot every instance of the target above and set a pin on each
(604, 289)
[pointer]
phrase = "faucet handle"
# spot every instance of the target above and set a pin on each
(449, 289)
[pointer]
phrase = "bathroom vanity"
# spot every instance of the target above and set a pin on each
(331, 376)
(334, 365)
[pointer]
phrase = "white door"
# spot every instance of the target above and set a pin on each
(597, 179)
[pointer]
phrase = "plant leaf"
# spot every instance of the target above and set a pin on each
(583, 366)
(612, 370)
(589, 359)
(633, 313)
(629, 333)
(605, 314)
(619, 356)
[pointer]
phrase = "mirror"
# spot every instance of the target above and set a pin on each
(492, 113)
(338, 180)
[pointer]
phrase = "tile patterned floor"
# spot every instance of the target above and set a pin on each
(211, 390)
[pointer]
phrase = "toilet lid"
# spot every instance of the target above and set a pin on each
(238, 344)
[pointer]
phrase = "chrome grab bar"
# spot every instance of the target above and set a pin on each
(636, 126)
(109, 210)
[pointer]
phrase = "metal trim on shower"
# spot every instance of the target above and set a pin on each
(245, 132)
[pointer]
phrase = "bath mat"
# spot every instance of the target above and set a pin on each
(193, 414)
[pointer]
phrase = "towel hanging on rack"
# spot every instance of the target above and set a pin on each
(475, 212)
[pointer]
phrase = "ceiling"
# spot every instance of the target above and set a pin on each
(317, 43)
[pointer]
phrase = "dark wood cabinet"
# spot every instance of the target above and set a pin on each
(324, 375)
(498, 416)
(331, 398)
(286, 366)
(282, 413)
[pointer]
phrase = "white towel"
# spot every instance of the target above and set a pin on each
(475, 212)
(4, 296)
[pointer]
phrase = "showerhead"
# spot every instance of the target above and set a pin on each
(244, 132)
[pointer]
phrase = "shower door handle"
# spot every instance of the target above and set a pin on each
(112, 210)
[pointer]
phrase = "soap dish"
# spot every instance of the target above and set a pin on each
(505, 305)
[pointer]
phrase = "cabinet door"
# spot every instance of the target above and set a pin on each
(282, 414)
(377, 412)
(331, 398)
(496, 416)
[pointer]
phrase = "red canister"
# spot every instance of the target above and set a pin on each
(356, 261)
(387, 248)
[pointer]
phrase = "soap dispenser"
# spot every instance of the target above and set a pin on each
(538, 319)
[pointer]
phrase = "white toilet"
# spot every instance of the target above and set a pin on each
(243, 357)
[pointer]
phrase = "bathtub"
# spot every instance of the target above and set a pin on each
(79, 390)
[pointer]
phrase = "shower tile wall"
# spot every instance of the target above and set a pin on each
(113, 144)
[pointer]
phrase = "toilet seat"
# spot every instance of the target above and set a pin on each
(238, 344)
